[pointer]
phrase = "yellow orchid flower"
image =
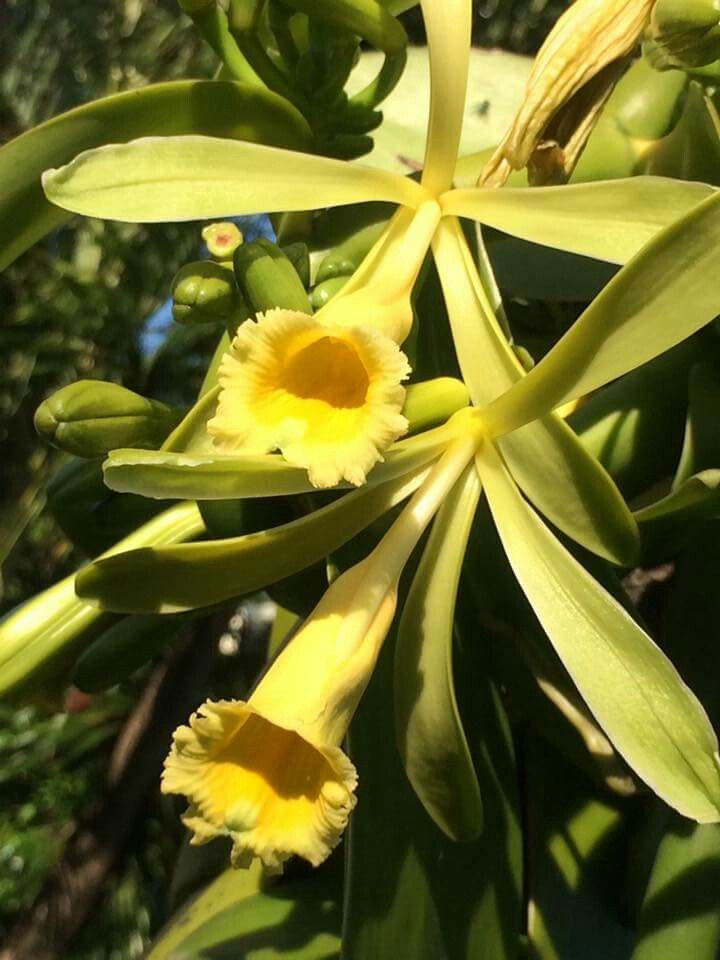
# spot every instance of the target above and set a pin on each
(326, 389)
(270, 773)
(573, 75)
(328, 397)
(180, 178)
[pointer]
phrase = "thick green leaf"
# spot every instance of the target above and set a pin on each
(159, 179)
(495, 88)
(697, 497)
(548, 461)
(215, 476)
(297, 920)
(680, 915)
(228, 889)
(216, 108)
(388, 910)
(689, 627)
(529, 271)
(577, 839)
(171, 580)
(608, 221)
(635, 693)
(430, 733)
(692, 149)
(701, 446)
(56, 622)
(667, 292)
(122, 649)
(635, 426)
(409, 891)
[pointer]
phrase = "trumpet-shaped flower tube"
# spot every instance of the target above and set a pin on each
(270, 773)
(330, 398)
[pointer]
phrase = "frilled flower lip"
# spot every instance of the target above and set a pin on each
(329, 397)
(263, 785)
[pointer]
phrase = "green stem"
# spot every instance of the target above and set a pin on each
(212, 23)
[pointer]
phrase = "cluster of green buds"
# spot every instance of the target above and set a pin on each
(304, 51)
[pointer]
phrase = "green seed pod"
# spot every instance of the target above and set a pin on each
(91, 417)
(204, 292)
(268, 279)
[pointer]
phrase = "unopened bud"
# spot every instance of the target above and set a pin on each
(91, 417)
(222, 239)
(204, 292)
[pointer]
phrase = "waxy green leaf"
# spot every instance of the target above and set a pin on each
(430, 733)
(242, 914)
(54, 623)
(697, 497)
(576, 840)
(680, 915)
(214, 108)
(635, 693)
(231, 887)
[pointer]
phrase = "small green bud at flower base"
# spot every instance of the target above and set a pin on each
(222, 239)
(325, 291)
(204, 292)
(91, 417)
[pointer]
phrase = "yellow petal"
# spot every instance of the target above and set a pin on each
(328, 397)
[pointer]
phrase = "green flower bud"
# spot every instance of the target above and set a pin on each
(89, 418)
(268, 279)
(326, 290)
(347, 256)
(204, 292)
(299, 256)
(222, 239)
